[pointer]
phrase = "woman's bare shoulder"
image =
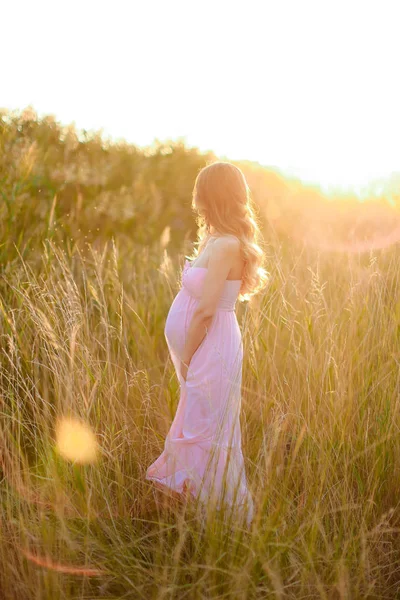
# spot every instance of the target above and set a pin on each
(227, 241)
(229, 246)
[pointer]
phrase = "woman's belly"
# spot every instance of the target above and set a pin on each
(223, 334)
(177, 321)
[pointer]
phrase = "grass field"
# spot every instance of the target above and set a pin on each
(81, 330)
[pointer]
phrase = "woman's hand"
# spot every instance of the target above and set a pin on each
(184, 369)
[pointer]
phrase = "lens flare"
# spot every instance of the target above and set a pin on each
(61, 568)
(75, 441)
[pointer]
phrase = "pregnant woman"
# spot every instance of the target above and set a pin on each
(202, 454)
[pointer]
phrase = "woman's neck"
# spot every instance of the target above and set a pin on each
(215, 233)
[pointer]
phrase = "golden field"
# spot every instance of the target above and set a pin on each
(92, 240)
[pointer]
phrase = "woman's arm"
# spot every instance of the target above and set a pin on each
(225, 251)
(196, 333)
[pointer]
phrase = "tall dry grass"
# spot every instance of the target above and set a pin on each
(319, 424)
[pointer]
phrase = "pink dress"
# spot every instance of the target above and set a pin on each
(202, 450)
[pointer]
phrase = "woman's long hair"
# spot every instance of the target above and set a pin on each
(221, 198)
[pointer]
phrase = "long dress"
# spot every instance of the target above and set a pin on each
(202, 452)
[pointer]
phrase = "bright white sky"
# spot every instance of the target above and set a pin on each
(309, 87)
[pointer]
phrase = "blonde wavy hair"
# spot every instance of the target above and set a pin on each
(222, 199)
